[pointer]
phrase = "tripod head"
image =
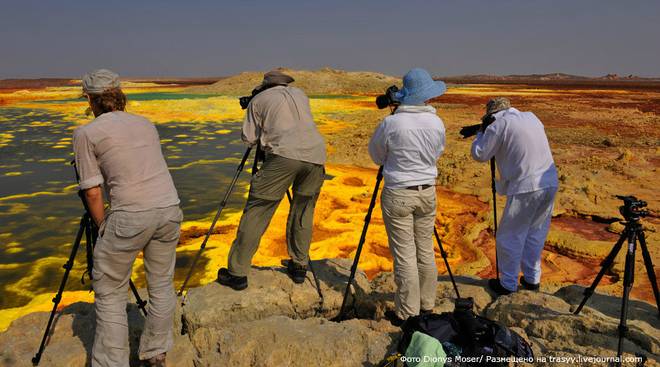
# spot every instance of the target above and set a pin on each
(632, 208)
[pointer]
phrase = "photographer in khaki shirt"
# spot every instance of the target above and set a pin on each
(279, 119)
(121, 152)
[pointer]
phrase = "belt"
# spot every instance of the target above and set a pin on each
(418, 187)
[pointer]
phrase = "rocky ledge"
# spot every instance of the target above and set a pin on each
(278, 323)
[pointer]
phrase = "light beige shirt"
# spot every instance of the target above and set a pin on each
(281, 120)
(122, 152)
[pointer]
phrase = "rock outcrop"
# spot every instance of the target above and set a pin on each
(277, 323)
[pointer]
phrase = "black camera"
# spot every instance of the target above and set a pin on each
(632, 208)
(468, 131)
(245, 100)
(388, 99)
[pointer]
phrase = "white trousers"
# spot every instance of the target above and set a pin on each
(521, 236)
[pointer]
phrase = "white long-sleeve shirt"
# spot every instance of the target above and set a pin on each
(518, 142)
(408, 144)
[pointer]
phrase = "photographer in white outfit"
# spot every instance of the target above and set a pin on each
(528, 177)
(408, 144)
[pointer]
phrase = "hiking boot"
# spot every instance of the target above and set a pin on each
(529, 286)
(298, 273)
(156, 361)
(425, 312)
(496, 286)
(393, 318)
(232, 281)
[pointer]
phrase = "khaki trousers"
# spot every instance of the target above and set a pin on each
(409, 217)
(123, 236)
(267, 189)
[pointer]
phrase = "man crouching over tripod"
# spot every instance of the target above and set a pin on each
(279, 119)
(528, 177)
(122, 152)
(408, 144)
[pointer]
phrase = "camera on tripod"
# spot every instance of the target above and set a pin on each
(632, 208)
(388, 99)
(632, 235)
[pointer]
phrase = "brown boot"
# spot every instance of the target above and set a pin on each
(157, 361)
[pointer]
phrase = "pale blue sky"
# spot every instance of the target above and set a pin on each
(213, 38)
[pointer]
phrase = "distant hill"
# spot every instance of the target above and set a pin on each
(322, 81)
(35, 83)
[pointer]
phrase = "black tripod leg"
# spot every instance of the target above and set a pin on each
(358, 251)
(607, 263)
(494, 190)
(444, 257)
(215, 220)
(138, 300)
(649, 269)
(58, 297)
(628, 280)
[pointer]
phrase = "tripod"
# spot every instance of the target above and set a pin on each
(239, 169)
(88, 229)
(215, 220)
(367, 219)
(633, 233)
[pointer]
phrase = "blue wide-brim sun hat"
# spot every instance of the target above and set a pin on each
(419, 87)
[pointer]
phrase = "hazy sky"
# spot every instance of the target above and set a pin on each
(213, 38)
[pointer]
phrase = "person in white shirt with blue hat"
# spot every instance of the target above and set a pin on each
(528, 178)
(408, 144)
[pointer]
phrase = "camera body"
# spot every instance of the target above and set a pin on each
(245, 100)
(632, 208)
(388, 99)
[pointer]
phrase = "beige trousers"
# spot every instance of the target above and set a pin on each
(123, 236)
(409, 217)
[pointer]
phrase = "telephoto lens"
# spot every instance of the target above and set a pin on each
(382, 101)
(468, 131)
